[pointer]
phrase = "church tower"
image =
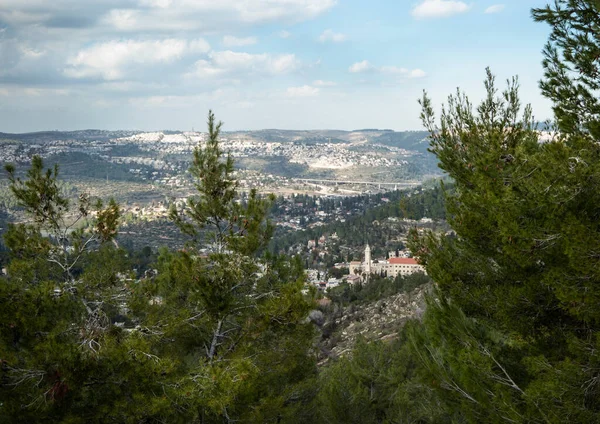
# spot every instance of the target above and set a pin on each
(368, 259)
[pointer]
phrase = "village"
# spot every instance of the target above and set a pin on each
(359, 272)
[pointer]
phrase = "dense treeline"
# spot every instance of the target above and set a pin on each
(411, 204)
(4, 221)
(513, 333)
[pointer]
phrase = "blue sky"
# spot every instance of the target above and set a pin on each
(293, 64)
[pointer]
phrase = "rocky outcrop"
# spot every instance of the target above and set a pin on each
(378, 320)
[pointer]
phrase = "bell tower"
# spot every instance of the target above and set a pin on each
(368, 259)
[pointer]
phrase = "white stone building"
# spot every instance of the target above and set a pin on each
(386, 268)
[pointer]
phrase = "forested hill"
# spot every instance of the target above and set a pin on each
(355, 231)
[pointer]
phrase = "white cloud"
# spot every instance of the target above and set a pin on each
(274, 64)
(231, 41)
(162, 101)
(283, 64)
(199, 45)
(110, 60)
(219, 96)
(236, 60)
(161, 4)
(439, 8)
(229, 62)
(496, 8)
(417, 73)
(363, 66)
(210, 14)
(303, 91)
(38, 92)
(20, 17)
(329, 35)
(158, 15)
(409, 73)
(321, 83)
(123, 19)
(16, 91)
(244, 104)
(205, 69)
(131, 86)
(284, 34)
(29, 53)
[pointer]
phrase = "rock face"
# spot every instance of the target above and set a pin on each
(379, 320)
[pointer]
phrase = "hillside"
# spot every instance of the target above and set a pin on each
(379, 319)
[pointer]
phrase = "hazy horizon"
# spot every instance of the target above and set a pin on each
(199, 130)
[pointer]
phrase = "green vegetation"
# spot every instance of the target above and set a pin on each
(380, 382)
(221, 332)
(76, 166)
(377, 288)
(211, 338)
(370, 226)
(514, 336)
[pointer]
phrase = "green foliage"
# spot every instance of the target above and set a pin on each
(63, 358)
(460, 360)
(361, 228)
(39, 194)
(219, 333)
(210, 338)
(571, 64)
(239, 320)
(78, 166)
(216, 212)
(377, 288)
(58, 233)
(514, 333)
(379, 383)
(337, 272)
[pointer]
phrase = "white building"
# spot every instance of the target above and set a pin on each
(386, 268)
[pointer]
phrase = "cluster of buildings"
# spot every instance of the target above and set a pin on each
(314, 155)
(398, 263)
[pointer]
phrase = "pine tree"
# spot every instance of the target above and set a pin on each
(572, 64)
(514, 335)
(219, 335)
(57, 233)
(377, 383)
(238, 316)
(62, 357)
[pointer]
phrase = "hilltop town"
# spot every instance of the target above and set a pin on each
(148, 171)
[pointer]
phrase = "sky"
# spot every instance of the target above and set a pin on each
(288, 64)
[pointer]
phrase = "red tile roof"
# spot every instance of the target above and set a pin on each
(403, 261)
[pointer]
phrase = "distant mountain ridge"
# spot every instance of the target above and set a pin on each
(90, 134)
(410, 140)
